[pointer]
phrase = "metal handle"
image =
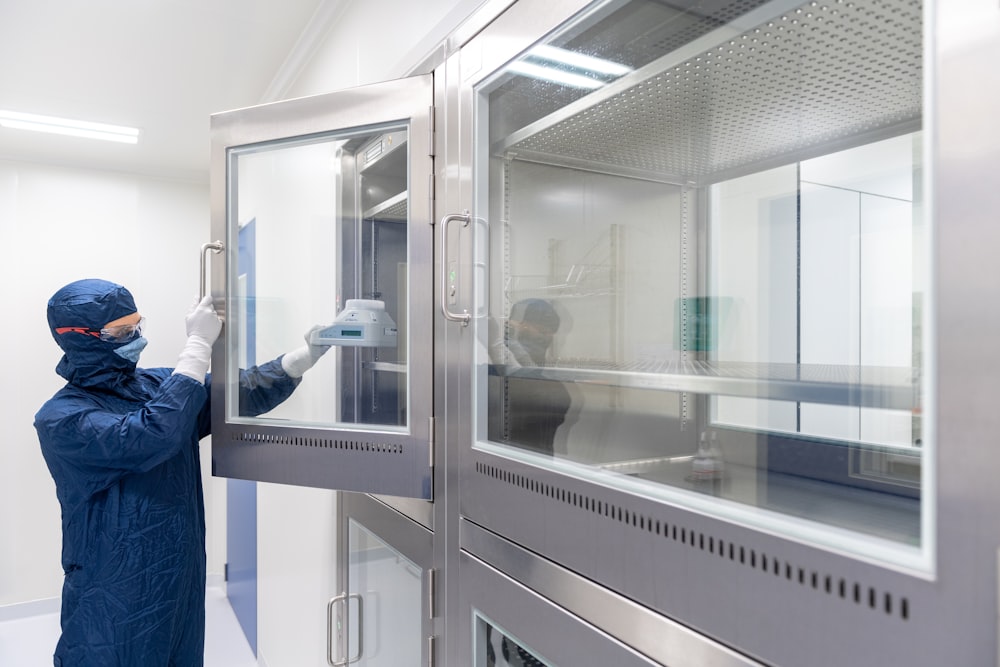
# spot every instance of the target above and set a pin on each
(216, 247)
(344, 597)
(465, 219)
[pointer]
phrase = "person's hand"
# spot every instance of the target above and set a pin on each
(316, 350)
(203, 327)
(203, 321)
(298, 361)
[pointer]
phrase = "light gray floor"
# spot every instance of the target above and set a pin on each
(29, 642)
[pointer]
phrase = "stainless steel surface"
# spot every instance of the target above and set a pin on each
(551, 634)
(964, 103)
(446, 297)
(723, 102)
(216, 247)
(653, 635)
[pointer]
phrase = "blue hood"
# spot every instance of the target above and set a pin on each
(89, 361)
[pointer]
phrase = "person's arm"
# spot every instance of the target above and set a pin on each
(262, 388)
(265, 386)
(79, 430)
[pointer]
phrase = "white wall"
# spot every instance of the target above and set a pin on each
(58, 225)
(379, 40)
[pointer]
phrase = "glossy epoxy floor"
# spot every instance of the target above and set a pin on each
(29, 642)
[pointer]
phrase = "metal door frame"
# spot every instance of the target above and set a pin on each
(356, 459)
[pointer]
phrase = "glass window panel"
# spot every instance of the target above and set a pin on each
(389, 587)
(706, 270)
(321, 224)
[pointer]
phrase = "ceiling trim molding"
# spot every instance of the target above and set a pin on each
(305, 48)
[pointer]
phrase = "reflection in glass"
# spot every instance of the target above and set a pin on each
(712, 280)
(321, 224)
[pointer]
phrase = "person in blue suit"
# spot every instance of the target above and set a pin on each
(121, 443)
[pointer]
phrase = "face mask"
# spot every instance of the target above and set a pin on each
(131, 351)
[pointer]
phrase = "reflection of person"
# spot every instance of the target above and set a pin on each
(527, 410)
(121, 443)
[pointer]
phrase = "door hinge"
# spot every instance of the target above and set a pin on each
(431, 440)
(431, 130)
(431, 586)
(225, 572)
(431, 643)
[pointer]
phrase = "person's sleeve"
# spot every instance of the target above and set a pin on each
(262, 388)
(79, 431)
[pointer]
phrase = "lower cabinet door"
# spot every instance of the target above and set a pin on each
(518, 609)
(382, 616)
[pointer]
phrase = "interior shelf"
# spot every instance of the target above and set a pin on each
(891, 388)
(385, 366)
(393, 209)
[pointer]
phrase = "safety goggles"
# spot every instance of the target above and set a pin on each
(122, 333)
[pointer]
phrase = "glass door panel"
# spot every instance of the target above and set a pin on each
(341, 262)
(331, 218)
(382, 617)
(707, 263)
(388, 588)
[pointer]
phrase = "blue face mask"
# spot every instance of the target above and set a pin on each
(131, 351)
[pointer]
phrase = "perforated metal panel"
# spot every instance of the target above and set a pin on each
(813, 76)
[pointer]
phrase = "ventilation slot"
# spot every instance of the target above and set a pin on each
(836, 587)
(319, 443)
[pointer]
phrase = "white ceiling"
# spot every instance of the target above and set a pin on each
(163, 66)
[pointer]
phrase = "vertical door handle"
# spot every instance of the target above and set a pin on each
(465, 218)
(216, 247)
(344, 597)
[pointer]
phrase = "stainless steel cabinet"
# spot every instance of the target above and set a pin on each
(704, 264)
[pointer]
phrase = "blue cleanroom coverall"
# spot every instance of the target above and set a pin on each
(121, 444)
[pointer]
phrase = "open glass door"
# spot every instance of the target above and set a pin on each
(335, 187)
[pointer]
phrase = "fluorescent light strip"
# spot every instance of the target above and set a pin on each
(579, 60)
(65, 126)
(554, 75)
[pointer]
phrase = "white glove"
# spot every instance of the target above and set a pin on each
(299, 360)
(203, 327)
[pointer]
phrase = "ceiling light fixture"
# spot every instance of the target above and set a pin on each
(74, 128)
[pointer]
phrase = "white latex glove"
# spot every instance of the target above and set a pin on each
(301, 359)
(203, 327)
